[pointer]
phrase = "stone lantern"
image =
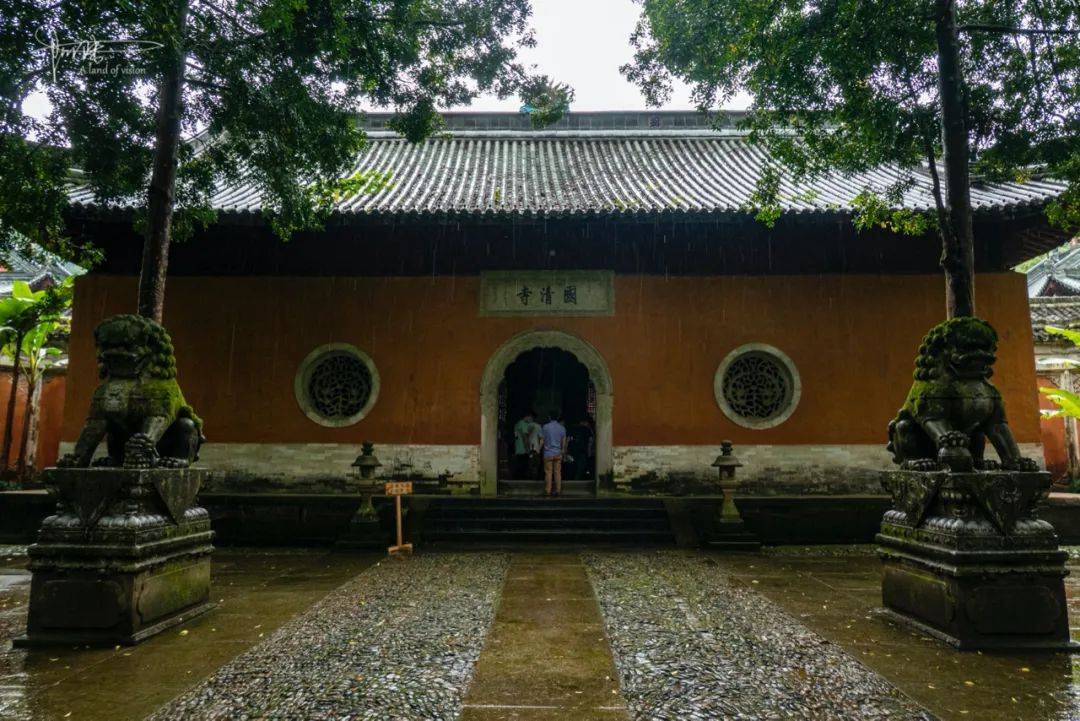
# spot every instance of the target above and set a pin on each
(365, 464)
(726, 463)
(364, 530)
(729, 530)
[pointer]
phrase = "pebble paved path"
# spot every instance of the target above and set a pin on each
(689, 644)
(397, 642)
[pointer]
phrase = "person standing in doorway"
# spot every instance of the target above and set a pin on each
(526, 447)
(581, 441)
(554, 435)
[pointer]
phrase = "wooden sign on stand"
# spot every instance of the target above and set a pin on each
(397, 489)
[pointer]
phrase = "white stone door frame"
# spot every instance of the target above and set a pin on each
(495, 371)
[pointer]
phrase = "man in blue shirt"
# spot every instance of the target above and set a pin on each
(554, 434)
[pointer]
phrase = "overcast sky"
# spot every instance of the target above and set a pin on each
(578, 42)
(583, 43)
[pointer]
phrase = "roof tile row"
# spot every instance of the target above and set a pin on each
(600, 172)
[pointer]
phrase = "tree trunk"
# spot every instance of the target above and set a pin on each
(958, 246)
(9, 432)
(29, 417)
(35, 425)
(155, 258)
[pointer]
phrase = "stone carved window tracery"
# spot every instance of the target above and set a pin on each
(336, 385)
(757, 386)
(339, 386)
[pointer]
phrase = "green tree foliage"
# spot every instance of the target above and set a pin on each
(270, 88)
(851, 84)
(857, 81)
(545, 100)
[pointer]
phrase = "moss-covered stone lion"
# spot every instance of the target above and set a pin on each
(952, 408)
(138, 408)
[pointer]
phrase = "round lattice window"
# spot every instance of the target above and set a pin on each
(757, 386)
(336, 385)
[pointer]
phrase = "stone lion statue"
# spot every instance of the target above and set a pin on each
(138, 408)
(952, 408)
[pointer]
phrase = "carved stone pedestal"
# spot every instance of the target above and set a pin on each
(729, 532)
(365, 529)
(967, 561)
(126, 555)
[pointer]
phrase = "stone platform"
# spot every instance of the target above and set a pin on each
(967, 561)
(125, 556)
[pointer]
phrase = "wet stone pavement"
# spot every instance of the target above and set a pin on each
(546, 657)
(690, 644)
(256, 591)
(835, 591)
(582, 635)
(397, 642)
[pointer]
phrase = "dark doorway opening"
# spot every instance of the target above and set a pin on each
(545, 381)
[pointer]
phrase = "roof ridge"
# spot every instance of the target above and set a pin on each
(530, 134)
(1055, 299)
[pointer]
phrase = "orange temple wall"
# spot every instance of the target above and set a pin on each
(853, 339)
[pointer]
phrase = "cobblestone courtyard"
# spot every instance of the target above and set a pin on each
(533, 635)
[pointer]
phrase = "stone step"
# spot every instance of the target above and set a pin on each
(566, 493)
(539, 483)
(559, 536)
(553, 507)
(474, 503)
(560, 520)
(659, 524)
(577, 489)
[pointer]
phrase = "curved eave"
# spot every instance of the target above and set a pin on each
(244, 216)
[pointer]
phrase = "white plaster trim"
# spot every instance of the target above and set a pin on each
(495, 371)
(751, 423)
(301, 380)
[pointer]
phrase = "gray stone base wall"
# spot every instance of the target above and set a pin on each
(770, 470)
(767, 470)
(325, 467)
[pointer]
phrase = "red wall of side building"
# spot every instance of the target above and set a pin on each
(852, 338)
(50, 416)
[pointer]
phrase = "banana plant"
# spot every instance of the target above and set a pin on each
(39, 353)
(1067, 402)
(20, 315)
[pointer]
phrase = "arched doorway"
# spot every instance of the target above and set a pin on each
(542, 382)
(495, 374)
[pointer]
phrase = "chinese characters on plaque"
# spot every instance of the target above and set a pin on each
(398, 488)
(565, 292)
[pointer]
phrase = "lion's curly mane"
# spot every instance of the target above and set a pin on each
(946, 335)
(142, 331)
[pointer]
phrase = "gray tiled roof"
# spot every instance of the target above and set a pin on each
(596, 163)
(1056, 274)
(44, 266)
(1059, 312)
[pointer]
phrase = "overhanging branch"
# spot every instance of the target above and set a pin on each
(1006, 30)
